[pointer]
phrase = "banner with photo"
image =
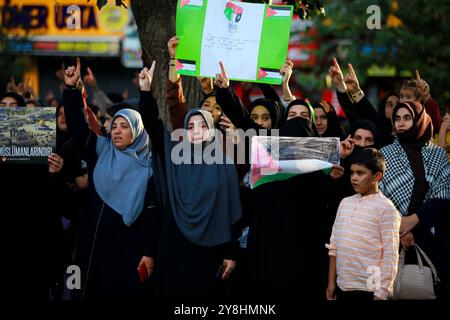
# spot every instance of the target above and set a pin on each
(250, 39)
(27, 135)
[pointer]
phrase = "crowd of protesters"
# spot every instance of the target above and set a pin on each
(113, 201)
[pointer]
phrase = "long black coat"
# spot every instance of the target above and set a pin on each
(108, 250)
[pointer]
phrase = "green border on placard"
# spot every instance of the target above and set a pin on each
(189, 28)
(273, 46)
(272, 178)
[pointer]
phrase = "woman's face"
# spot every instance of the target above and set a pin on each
(321, 120)
(9, 102)
(121, 133)
(298, 110)
(403, 120)
(107, 123)
(61, 120)
(197, 129)
(210, 105)
(391, 102)
(363, 138)
(262, 117)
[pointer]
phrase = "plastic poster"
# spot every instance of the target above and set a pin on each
(279, 158)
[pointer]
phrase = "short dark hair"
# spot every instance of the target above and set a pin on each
(371, 158)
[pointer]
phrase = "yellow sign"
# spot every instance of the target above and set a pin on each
(63, 18)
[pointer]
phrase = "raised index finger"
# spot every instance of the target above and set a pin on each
(152, 68)
(222, 68)
(336, 64)
(417, 75)
(78, 65)
(351, 70)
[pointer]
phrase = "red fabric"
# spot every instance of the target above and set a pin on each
(432, 108)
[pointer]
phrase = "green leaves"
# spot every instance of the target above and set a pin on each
(307, 9)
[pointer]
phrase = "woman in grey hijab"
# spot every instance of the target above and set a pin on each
(196, 243)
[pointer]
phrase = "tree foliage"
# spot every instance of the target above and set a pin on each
(414, 34)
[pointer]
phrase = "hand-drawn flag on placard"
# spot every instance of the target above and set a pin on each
(268, 73)
(196, 3)
(280, 158)
(278, 11)
(186, 66)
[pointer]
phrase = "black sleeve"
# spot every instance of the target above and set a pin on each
(150, 220)
(233, 108)
(360, 110)
(84, 138)
(366, 110)
(433, 212)
(269, 92)
(152, 122)
(231, 249)
(347, 104)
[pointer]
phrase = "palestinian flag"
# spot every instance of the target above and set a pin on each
(197, 3)
(186, 67)
(280, 158)
(278, 11)
(272, 75)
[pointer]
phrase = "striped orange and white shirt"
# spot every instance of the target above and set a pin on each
(365, 241)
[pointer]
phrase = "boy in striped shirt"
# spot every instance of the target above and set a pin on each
(363, 249)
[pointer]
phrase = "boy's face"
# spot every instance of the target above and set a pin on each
(363, 180)
(407, 95)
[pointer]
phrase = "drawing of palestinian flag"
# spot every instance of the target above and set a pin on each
(186, 67)
(269, 75)
(280, 158)
(196, 3)
(278, 11)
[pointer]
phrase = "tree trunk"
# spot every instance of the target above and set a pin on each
(156, 25)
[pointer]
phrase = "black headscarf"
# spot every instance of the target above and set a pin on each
(204, 198)
(20, 100)
(312, 117)
(61, 136)
(333, 127)
(271, 106)
(412, 141)
(367, 125)
(386, 130)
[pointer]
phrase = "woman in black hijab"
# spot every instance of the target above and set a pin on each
(327, 121)
(200, 201)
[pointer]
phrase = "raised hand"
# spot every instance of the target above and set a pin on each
(351, 80)
(72, 74)
(172, 46)
(286, 71)
(11, 86)
(346, 147)
(222, 80)
(146, 78)
(226, 124)
(89, 79)
(207, 84)
(423, 87)
(337, 76)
